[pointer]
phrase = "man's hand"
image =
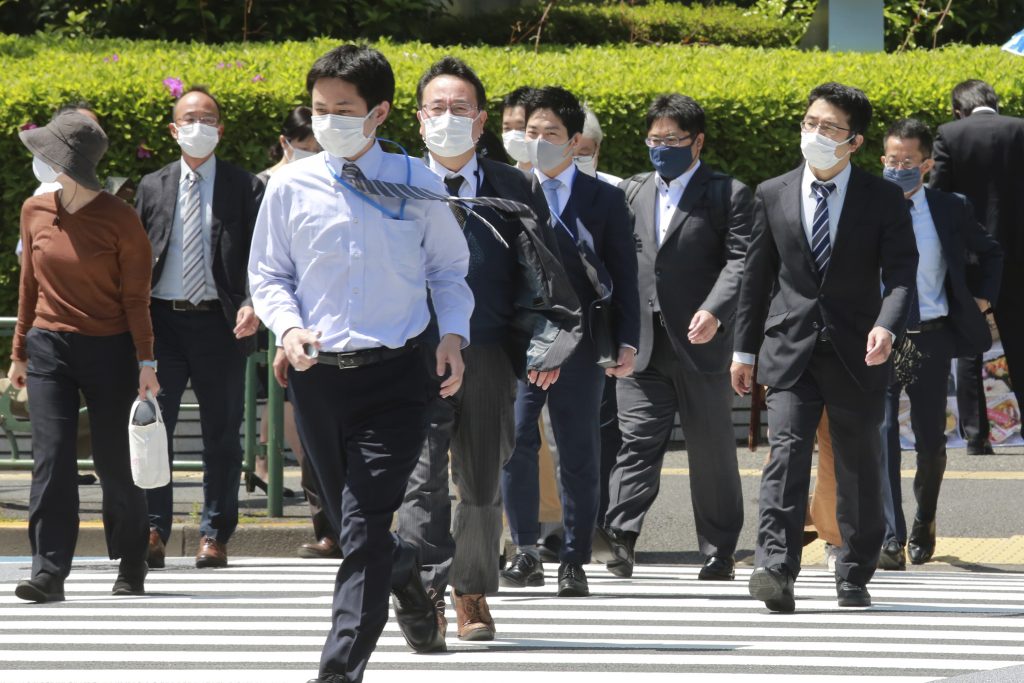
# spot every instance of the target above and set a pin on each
(742, 377)
(148, 383)
(543, 378)
(18, 373)
(280, 366)
(703, 328)
(293, 342)
(246, 322)
(449, 358)
(879, 346)
(984, 305)
(626, 360)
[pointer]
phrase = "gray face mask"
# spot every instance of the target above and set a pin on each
(546, 155)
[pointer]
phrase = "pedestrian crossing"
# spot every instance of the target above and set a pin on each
(263, 620)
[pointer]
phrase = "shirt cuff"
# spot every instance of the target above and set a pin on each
(464, 333)
(745, 358)
(891, 333)
(284, 322)
(629, 346)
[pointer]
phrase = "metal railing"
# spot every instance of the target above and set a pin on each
(12, 425)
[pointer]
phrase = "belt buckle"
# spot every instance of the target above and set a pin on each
(177, 305)
(347, 360)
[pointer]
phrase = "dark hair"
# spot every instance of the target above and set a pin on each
(685, 111)
(852, 101)
(365, 68)
(969, 95)
(200, 89)
(297, 125)
(562, 104)
(452, 66)
(516, 98)
(911, 129)
(74, 105)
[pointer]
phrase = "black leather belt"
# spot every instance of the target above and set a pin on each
(184, 306)
(357, 359)
(930, 325)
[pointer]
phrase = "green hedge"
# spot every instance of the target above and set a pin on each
(753, 98)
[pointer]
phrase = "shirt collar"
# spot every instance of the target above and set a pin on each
(566, 177)
(989, 110)
(205, 169)
(679, 182)
(919, 200)
(369, 163)
(841, 181)
(468, 171)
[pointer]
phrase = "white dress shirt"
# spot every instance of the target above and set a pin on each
(931, 264)
(470, 175)
(171, 284)
(609, 178)
(669, 196)
(325, 259)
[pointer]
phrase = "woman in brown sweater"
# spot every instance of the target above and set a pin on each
(83, 325)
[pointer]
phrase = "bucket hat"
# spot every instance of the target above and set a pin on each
(72, 143)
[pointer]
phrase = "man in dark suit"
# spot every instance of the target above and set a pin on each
(199, 212)
(692, 227)
(590, 220)
(810, 304)
(522, 326)
(979, 155)
(946, 321)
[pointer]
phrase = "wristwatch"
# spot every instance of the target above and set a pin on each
(147, 364)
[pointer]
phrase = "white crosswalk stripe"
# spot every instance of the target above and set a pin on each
(265, 619)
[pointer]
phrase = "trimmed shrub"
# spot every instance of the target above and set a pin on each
(754, 98)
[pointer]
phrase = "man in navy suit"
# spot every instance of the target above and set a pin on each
(592, 227)
(946, 322)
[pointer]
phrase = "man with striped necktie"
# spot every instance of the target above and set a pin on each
(811, 308)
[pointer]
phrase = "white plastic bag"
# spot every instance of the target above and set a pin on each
(151, 466)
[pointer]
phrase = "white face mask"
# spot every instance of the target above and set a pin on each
(342, 136)
(586, 165)
(43, 171)
(448, 135)
(820, 151)
(297, 153)
(546, 155)
(515, 145)
(197, 139)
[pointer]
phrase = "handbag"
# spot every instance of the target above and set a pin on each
(147, 443)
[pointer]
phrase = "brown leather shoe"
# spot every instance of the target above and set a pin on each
(324, 548)
(212, 553)
(474, 617)
(157, 550)
(442, 620)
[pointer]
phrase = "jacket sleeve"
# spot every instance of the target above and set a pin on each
(941, 177)
(898, 258)
(760, 270)
(986, 248)
(252, 208)
(619, 258)
(721, 301)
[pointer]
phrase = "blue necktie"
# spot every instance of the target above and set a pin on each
(821, 243)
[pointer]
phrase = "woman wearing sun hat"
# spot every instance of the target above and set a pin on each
(83, 325)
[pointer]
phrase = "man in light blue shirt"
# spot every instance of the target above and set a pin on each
(341, 278)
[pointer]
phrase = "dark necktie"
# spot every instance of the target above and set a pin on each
(454, 184)
(821, 243)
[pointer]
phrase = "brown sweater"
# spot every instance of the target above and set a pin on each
(86, 272)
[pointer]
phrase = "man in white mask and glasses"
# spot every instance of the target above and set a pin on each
(199, 212)
(510, 340)
(812, 311)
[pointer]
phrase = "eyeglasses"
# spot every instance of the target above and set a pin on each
(205, 120)
(667, 141)
(892, 162)
(457, 108)
(829, 130)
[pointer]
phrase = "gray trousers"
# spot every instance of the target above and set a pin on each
(648, 402)
(477, 426)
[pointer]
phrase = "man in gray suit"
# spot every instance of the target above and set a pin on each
(692, 226)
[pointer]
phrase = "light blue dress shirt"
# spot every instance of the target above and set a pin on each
(931, 264)
(171, 284)
(325, 259)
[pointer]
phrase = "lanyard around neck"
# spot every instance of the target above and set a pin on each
(365, 197)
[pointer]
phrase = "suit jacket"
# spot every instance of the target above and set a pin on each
(548, 322)
(699, 265)
(602, 209)
(959, 234)
(237, 195)
(981, 157)
(783, 307)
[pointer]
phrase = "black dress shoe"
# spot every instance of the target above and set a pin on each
(616, 549)
(983, 448)
(921, 544)
(131, 579)
(892, 556)
(524, 571)
(718, 568)
(572, 581)
(328, 678)
(773, 586)
(42, 587)
(852, 594)
(549, 547)
(414, 610)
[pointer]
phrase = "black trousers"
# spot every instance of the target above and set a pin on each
(200, 346)
(611, 442)
(970, 401)
(927, 394)
(1009, 315)
(855, 418)
(363, 429)
(60, 364)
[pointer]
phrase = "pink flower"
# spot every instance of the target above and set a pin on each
(257, 78)
(112, 58)
(28, 126)
(143, 151)
(239, 64)
(174, 86)
(221, 65)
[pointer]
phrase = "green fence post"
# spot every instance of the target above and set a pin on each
(251, 433)
(275, 431)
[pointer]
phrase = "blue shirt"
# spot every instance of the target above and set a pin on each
(171, 284)
(931, 264)
(325, 259)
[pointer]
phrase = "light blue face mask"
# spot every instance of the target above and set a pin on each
(906, 178)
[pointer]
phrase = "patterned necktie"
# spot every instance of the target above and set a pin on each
(192, 257)
(821, 244)
(454, 184)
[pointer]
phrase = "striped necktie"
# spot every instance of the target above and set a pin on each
(821, 243)
(454, 183)
(192, 257)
